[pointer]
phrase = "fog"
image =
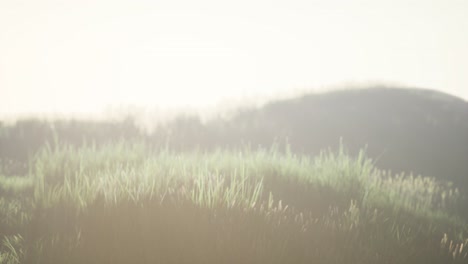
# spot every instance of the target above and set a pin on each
(93, 57)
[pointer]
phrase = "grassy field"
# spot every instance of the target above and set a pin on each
(126, 203)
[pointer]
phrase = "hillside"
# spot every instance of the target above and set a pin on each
(419, 131)
(231, 191)
(127, 203)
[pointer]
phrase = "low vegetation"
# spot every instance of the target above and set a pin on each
(127, 203)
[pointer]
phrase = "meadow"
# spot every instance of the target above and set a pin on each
(126, 202)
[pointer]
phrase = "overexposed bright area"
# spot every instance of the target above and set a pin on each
(88, 56)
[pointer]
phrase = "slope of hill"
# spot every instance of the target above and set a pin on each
(411, 130)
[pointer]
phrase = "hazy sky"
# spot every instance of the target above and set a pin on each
(82, 56)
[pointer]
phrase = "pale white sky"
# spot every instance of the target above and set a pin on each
(84, 56)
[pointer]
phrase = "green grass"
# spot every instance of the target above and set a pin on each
(126, 203)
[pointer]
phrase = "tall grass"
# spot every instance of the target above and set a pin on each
(126, 203)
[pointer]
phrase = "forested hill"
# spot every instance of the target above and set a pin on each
(411, 130)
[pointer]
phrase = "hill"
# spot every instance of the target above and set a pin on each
(410, 130)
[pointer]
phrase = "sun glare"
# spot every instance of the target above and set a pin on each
(83, 57)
